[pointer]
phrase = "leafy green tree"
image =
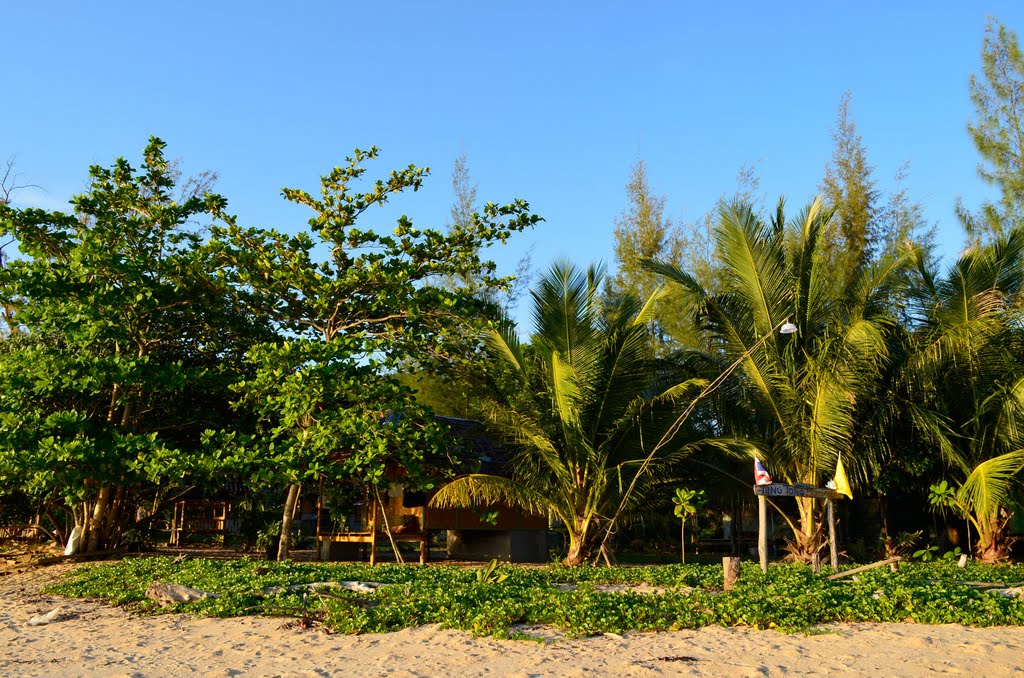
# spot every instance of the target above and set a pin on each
(965, 365)
(356, 306)
(454, 388)
(590, 402)
(998, 132)
(128, 349)
(797, 396)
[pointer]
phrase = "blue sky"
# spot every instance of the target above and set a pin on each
(552, 102)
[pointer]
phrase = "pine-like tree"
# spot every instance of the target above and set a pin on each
(642, 231)
(849, 188)
(998, 132)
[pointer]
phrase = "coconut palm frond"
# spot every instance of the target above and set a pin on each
(674, 274)
(504, 342)
(864, 346)
(646, 312)
(677, 391)
(989, 485)
(1006, 406)
(565, 307)
(756, 269)
(486, 490)
(565, 391)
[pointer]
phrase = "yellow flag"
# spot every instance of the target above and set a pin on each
(841, 481)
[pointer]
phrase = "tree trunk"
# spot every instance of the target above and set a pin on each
(95, 532)
(991, 546)
(807, 539)
(581, 542)
(287, 518)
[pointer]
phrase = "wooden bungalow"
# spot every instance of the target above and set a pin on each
(368, 520)
(199, 516)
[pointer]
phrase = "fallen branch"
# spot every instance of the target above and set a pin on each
(977, 584)
(79, 557)
(864, 568)
(357, 586)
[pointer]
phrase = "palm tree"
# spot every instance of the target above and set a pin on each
(588, 404)
(966, 366)
(797, 398)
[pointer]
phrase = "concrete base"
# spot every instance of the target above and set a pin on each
(332, 550)
(515, 546)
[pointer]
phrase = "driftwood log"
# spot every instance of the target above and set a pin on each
(172, 594)
(1016, 592)
(357, 586)
(79, 557)
(865, 568)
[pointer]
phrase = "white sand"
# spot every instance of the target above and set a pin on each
(92, 639)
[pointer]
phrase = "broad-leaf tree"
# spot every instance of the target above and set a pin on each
(126, 350)
(355, 305)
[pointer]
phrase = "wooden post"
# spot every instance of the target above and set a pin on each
(816, 562)
(762, 531)
(425, 544)
(731, 568)
(174, 526)
(319, 513)
(373, 534)
(833, 551)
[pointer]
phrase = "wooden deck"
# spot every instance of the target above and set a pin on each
(376, 533)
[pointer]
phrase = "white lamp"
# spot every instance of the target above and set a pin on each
(787, 328)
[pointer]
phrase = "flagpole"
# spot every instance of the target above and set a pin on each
(762, 531)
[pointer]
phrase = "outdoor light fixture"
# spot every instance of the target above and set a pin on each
(787, 328)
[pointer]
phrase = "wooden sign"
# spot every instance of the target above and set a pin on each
(784, 490)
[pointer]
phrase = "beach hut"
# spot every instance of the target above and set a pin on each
(354, 521)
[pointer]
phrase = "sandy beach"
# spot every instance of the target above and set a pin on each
(93, 639)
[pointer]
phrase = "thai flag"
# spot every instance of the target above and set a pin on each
(761, 476)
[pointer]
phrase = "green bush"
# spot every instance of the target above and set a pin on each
(788, 597)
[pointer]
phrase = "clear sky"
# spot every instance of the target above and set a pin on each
(551, 101)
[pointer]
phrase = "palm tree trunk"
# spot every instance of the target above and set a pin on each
(581, 542)
(807, 542)
(991, 546)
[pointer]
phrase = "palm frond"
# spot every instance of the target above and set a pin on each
(504, 342)
(989, 485)
(480, 489)
(676, 275)
(646, 312)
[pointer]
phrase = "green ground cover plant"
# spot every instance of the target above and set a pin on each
(788, 598)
